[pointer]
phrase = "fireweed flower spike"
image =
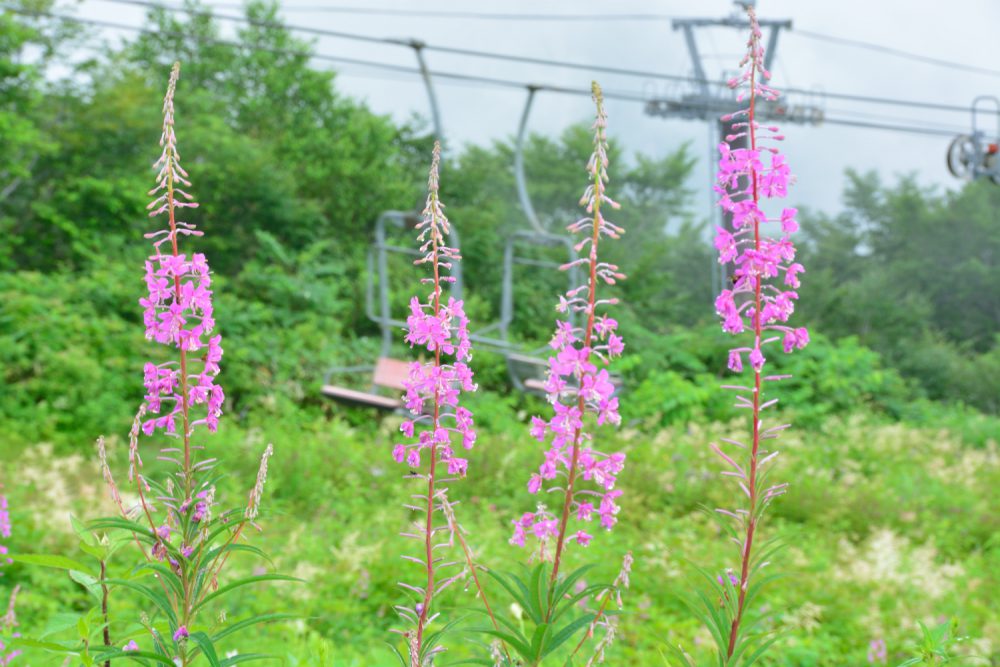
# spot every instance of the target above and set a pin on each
(578, 385)
(760, 304)
(176, 524)
(4, 531)
(439, 425)
(178, 308)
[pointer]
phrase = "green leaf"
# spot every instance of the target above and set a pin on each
(97, 552)
(539, 597)
(54, 647)
(49, 560)
(246, 581)
(518, 643)
(116, 654)
(151, 594)
(399, 656)
(502, 580)
(538, 640)
(246, 623)
(207, 648)
(89, 582)
(228, 548)
(120, 523)
(248, 657)
(564, 584)
(679, 655)
(59, 622)
(165, 574)
(760, 651)
(431, 639)
(568, 631)
(568, 604)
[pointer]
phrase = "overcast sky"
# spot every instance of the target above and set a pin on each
(959, 30)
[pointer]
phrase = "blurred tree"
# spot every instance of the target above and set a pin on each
(910, 272)
(663, 251)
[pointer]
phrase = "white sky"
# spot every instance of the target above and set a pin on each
(960, 30)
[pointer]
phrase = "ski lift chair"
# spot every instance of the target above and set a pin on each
(387, 374)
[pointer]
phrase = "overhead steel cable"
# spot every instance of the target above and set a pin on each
(899, 53)
(454, 76)
(458, 14)
(531, 60)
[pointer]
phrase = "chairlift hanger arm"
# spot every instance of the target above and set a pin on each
(519, 176)
(425, 73)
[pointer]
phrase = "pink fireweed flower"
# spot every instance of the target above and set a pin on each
(8, 623)
(438, 425)
(4, 528)
(745, 177)
(757, 303)
(877, 653)
(578, 384)
(441, 327)
(177, 310)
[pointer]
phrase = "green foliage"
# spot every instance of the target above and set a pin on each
(548, 613)
(936, 644)
(899, 516)
(910, 272)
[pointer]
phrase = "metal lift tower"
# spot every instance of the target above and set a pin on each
(709, 100)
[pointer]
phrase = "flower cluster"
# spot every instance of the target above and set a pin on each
(177, 523)
(433, 389)
(8, 623)
(762, 299)
(4, 529)
(438, 423)
(577, 383)
(177, 310)
(745, 177)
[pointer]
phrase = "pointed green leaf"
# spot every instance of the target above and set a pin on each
(248, 622)
(207, 648)
(49, 560)
(246, 581)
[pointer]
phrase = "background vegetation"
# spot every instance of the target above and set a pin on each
(894, 458)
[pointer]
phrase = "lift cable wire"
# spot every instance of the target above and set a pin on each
(454, 76)
(888, 50)
(605, 69)
(453, 14)
(498, 16)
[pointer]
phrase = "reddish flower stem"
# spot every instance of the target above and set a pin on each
(429, 524)
(587, 339)
(177, 295)
(757, 328)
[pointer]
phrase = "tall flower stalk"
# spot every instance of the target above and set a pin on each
(438, 422)
(758, 305)
(578, 386)
(183, 536)
(4, 530)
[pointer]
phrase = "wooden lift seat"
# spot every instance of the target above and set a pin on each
(389, 374)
